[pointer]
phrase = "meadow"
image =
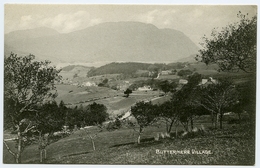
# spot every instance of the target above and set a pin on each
(234, 145)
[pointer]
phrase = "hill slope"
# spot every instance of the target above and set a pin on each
(113, 41)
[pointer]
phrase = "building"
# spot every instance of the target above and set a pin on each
(183, 81)
(88, 84)
(165, 72)
(209, 81)
(144, 88)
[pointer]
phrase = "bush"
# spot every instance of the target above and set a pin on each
(113, 125)
(183, 73)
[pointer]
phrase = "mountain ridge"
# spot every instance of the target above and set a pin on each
(110, 41)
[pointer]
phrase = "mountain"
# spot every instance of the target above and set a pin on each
(112, 41)
(30, 33)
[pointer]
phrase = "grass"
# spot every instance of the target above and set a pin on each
(231, 151)
(225, 151)
(234, 145)
(113, 100)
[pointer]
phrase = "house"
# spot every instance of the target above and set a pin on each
(144, 88)
(124, 85)
(165, 72)
(183, 81)
(88, 84)
(209, 81)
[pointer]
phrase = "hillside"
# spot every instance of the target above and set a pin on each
(113, 41)
(117, 68)
(129, 68)
(72, 71)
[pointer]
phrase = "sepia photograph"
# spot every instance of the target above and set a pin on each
(129, 84)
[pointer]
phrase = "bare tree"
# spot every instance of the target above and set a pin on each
(218, 97)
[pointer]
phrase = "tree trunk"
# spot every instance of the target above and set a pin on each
(191, 122)
(170, 127)
(220, 120)
(139, 135)
(215, 121)
(176, 132)
(186, 126)
(40, 145)
(167, 128)
(212, 119)
(40, 155)
(93, 143)
(19, 148)
(139, 139)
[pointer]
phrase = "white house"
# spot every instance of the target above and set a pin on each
(183, 81)
(165, 72)
(208, 81)
(144, 88)
(88, 84)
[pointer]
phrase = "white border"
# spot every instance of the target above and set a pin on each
(151, 2)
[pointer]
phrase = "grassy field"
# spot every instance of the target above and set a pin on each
(112, 99)
(234, 145)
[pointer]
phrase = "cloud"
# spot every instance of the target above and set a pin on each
(67, 22)
(63, 22)
(160, 18)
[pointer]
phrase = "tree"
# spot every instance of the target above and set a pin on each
(246, 101)
(104, 83)
(75, 75)
(167, 86)
(234, 47)
(183, 73)
(96, 114)
(182, 107)
(49, 119)
(145, 114)
(189, 94)
(73, 117)
(169, 113)
(154, 70)
(127, 92)
(27, 83)
(217, 98)
(64, 110)
(92, 134)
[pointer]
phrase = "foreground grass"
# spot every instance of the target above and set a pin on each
(226, 149)
(231, 146)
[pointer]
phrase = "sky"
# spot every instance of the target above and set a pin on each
(192, 20)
